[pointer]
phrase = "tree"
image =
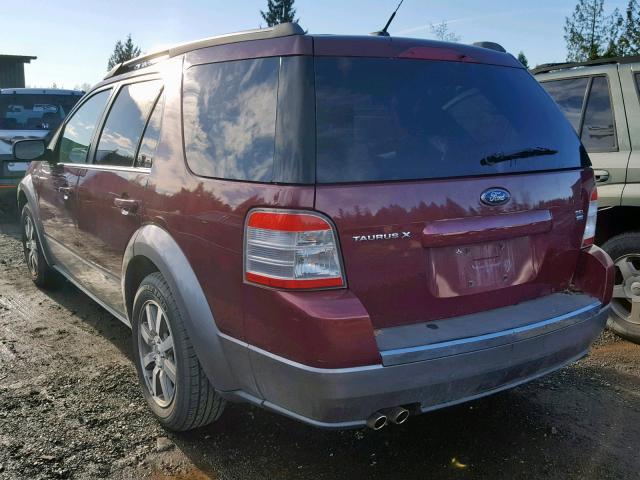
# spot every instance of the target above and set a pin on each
(279, 11)
(522, 58)
(629, 42)
(441, 32)
(123, 52)
(85, 87)
(591, 34)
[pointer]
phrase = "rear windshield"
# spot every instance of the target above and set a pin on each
(396, 119)
(34, 111)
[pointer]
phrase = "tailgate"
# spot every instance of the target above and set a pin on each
(427, 250)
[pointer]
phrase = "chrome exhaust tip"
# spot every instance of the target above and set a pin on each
(376, 421)
(397, 415)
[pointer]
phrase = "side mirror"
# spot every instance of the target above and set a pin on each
(27, 150)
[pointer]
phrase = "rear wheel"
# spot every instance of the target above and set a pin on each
(41, 273)
(173, 382)
(625, 306)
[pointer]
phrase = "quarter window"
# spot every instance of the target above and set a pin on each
(124, 125)
(598, 131)
(76, 138)
(151, 136)
(229, 114)
(569, 95)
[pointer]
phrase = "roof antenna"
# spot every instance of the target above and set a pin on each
(383, 32)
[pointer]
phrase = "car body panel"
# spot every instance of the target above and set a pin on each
(486, 268)
(104, 229)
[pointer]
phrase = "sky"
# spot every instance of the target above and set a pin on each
(73, 39)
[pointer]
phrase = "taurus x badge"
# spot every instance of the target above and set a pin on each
(381, 236)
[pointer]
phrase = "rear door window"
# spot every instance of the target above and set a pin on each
(229, 113)
(569, 94)
(598, 130)
(125, 123)
(78, 132)
(399, 119)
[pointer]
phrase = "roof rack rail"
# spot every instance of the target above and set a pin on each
(550, 67)
(281, 30)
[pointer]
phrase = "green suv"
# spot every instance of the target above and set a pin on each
(27, 113)
(601, 100)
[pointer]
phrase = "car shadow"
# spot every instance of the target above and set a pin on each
(69, 297)
(9, 224)
(487, 438)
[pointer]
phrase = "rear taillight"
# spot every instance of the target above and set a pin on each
(590, 224)
(293, 250)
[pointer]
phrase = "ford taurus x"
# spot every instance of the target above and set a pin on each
(344, 230)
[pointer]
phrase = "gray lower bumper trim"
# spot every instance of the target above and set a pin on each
(342, 398)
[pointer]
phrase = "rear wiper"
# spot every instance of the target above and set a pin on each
(529, 152)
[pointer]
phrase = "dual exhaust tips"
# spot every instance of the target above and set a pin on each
(380, 419)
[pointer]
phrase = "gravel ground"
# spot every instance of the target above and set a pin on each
(70, 407)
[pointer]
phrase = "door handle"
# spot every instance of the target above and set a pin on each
(601, 176)
(126, 205)
(65, 191)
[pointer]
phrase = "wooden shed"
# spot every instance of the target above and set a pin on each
(12, 70)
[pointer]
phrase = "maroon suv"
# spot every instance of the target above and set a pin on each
(344, 230)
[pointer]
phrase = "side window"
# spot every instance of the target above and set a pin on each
(229, 112)
(598, 131)
(76, 137)
(151, 136)
(569, 95)
(124, 125)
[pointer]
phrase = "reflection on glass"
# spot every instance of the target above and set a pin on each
(229, 119)
(569, 95)
(125, 123)
(76, 139)
(379, 119)
(151, 137)
(598, 132)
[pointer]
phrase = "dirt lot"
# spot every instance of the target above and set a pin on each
(70, 407)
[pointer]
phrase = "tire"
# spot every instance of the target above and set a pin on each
(162, 351)
(624, 250)
(39, 270)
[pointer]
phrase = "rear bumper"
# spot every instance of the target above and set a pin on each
(451, 372)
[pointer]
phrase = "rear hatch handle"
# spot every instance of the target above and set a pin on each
(461, 231)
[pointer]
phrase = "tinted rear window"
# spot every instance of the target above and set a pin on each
(598, 131)
(33, 111)
(382, 119)
(569, 95)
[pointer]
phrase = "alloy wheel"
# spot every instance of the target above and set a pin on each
(30, 246)
(626, 291)
(157, 354)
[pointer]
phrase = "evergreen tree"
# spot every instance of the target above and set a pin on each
(522, 58)
(123, 52)
(279, 11)
(441, 32)
(629, 43)
(589, 33)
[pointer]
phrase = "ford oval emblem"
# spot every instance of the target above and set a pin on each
(495, 196)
